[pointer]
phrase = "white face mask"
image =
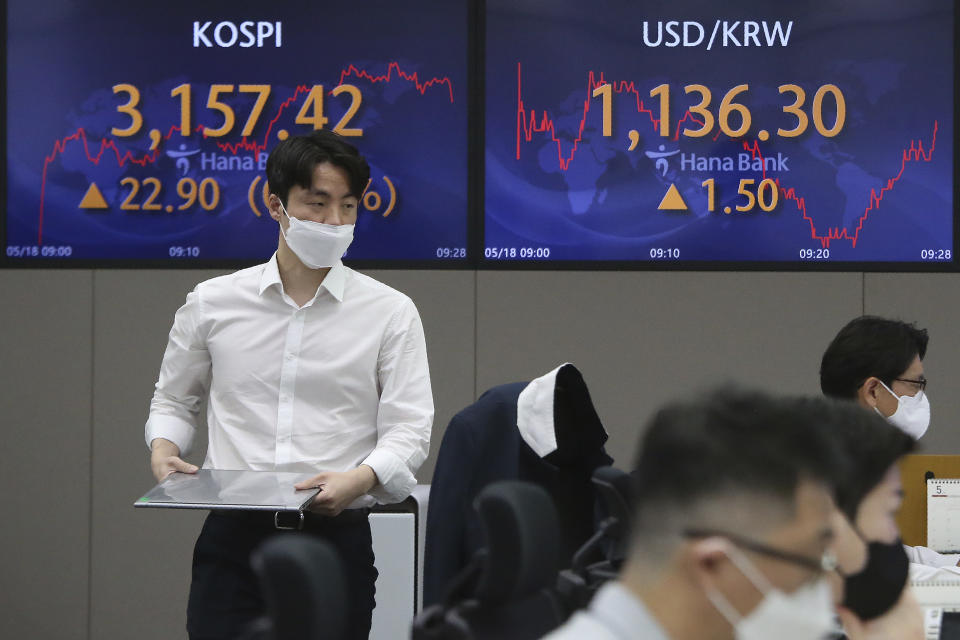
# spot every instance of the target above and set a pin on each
(317, 245)
(912, 414)
(805, 614)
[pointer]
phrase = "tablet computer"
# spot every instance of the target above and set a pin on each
(230, 489)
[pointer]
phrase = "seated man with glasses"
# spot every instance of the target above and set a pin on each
(734, 528)
(878, 363)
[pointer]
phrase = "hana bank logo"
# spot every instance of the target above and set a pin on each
(661, 157)
(183, 158)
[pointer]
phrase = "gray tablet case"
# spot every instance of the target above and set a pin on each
(223, 489)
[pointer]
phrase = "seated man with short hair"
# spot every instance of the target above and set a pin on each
(733, 528)
(878, 363)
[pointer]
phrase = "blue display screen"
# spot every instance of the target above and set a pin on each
(140, 131)
(700, 131)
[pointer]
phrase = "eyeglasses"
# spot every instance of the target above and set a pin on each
(922, 382)
(826, 562)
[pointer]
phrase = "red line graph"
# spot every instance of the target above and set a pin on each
(253, 145)
(394, 72)
(387, 77)
(914, 153)
(528, 124)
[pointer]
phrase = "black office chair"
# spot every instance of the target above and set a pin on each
(484, 444)
(506, 592)
(305, 590)
(610, 541)
(615, 499)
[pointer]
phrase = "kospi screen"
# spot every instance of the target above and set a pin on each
(756, 133)
(140, 131)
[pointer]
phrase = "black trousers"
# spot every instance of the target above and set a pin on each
(225, 596)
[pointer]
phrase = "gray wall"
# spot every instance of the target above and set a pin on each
(81, 349)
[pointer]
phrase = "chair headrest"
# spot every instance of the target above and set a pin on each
(296, 573)
(523, 541)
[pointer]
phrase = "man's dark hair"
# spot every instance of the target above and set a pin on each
(870, 444)
(731, 454)
(293, 160)
(869, 346)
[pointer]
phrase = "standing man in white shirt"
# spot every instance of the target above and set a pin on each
(307, 366)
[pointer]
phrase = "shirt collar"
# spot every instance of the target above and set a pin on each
(625, 613)
(271, 275)
(334, 282)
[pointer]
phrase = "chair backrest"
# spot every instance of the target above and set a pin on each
(510, 590)
(304, 588)
(600, 558)
(615, 497)
(523, 554)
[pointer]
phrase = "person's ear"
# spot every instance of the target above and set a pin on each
(274, 206)
(869, 392)
(704, 557)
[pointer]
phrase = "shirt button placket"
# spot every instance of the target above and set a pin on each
(288, 380)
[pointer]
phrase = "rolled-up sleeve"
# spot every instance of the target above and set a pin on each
(184, 379)
(405, 413)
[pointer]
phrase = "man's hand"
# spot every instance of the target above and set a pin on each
(165, 459)
(339, 488)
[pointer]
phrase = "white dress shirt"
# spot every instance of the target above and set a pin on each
(614, 614)
(339, 382)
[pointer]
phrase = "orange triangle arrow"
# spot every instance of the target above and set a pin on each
(93, 199)
(673, 201)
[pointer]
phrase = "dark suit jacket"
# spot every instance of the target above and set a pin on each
(482, 444)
